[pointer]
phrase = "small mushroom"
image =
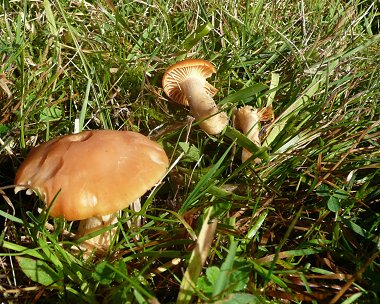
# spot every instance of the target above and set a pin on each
(247, 120)
(185, 83)
(92, 175)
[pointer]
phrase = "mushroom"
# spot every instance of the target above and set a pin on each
(92, 175)
(247, 120)
(185, 83)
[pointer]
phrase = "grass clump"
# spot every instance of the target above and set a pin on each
(300, 226)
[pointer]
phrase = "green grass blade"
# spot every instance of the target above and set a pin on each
(274, 57)
(21, 250)
(244, 95)
(204, 183)
(297, 105)
(11, 217)
(50, 18)
(275, 80)
(197, 259)
(199, 34)
(258, 223)
(225, 270)
(243, 141)
(83, 110)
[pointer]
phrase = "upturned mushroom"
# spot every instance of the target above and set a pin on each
(247, 119)
(185, 83)
(92, 175)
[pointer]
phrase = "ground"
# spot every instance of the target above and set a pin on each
(297, 223)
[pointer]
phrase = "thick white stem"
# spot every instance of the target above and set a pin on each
(136, 222)
(102, 241)
(203, 107)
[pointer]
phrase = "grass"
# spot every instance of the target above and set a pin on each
(301, 226)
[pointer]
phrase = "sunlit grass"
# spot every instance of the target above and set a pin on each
(301, 225)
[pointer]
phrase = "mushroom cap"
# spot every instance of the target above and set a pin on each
(246, 118)
(92, 173)
(183, 70)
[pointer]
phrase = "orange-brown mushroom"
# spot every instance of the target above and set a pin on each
(185, 83)
(247, 120)
(92, 175)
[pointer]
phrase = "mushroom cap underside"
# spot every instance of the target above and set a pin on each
(182, 71)
(92, 173)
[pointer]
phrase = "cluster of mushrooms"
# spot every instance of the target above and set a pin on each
(71, 173)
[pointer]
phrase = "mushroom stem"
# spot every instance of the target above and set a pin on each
(136, 222)
(102, 241)
(247, 120)
(203, 107)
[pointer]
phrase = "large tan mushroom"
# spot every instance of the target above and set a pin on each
(247, 119)
(185, 83)
(92, 175)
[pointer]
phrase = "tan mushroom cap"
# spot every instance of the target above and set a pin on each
(182, 71)
(96, 172)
